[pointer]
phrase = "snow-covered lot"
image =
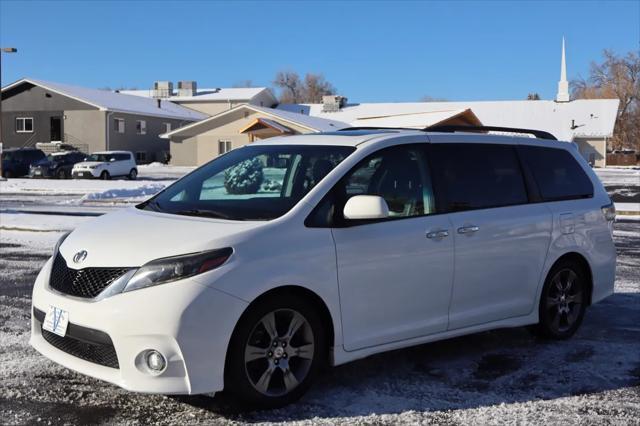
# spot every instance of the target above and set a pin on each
(504, 376)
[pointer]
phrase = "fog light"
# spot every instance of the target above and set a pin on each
(155, 361)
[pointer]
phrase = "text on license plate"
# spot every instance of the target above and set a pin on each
(56, 321)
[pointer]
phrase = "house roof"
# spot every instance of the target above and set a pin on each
(117, 102)
(209, 95)
(421, 119)
(314, 124)
(565, 120)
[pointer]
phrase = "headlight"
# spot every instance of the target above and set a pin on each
(176, 268)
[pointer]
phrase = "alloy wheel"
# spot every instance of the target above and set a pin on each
(279, 352)
(564, 300)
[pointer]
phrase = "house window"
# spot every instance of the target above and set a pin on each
(141, 127)
(167, 127)
(24, 125)
(224, 146)
(118, 125)
(141, 156)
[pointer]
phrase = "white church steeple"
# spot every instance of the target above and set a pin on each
(563, 84)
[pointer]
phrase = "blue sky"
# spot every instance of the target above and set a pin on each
(371, 51)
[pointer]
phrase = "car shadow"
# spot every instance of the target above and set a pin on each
(484, 369)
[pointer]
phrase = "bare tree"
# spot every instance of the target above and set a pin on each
(294, 90)
(616, 77)
(315, 87)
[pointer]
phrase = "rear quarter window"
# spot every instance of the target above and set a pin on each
(557, 173)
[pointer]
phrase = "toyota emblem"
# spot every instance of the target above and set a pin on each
(80, 256)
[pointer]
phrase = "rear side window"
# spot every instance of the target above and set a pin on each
(477, 176)
(557, 173)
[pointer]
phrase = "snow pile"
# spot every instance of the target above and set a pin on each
(129, 194)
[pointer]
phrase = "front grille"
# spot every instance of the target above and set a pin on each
(88, 282)
(85, 343)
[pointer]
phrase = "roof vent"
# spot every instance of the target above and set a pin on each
(162, 89)
(333, 103)
(187, 88)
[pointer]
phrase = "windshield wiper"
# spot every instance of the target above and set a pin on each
(205, 213)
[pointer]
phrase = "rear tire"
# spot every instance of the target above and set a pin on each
(269, 365)
(105, 175)
(563, 301)
(61, 174)
(133, 174)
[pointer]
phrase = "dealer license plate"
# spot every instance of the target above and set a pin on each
(56, 321)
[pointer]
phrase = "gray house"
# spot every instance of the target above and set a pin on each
(93, 120)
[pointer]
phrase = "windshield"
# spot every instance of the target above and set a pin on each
(99, 157)
(250, 183)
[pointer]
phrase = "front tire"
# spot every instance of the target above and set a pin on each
(105, 175)
(563, 302)
(276, 350)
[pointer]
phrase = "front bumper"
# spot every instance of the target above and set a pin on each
(41, 172)
(189, 323)
(84, 174)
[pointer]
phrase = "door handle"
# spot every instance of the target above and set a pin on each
(438, 234)
(468, 229)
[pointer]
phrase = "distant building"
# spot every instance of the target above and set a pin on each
(587, 122)
(197, 143)
(93, 120)
(208, 101)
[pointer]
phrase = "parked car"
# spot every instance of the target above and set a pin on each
(250, 278)
(16, 161)
(56, 165)
(107, 164)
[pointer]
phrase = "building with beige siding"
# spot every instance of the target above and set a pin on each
(200, 142)
(210, 101)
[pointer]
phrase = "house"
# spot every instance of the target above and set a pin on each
(208, 101)
(198, 143)
(92, 120)
(587, 122)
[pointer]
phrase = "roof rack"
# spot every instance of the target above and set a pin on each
(346, 129)
(540, 134)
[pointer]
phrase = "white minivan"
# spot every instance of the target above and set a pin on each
(259, 268)
(105, 165)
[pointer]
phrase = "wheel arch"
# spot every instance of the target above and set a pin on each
(303, 292)
(581, 260)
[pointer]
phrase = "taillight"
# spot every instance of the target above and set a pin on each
(609, 212)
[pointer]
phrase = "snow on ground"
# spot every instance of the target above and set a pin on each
(497, 377)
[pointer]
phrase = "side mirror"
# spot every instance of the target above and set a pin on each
(366, 207)
(112, 159)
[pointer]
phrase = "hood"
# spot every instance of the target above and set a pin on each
(44, 163)
(89, 163)
(132, 237)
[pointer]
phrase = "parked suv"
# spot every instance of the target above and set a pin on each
(257, 269)
(107, 164)
(56, 165)
(16, 161)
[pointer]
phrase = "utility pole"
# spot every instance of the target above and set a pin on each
(3, 50)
